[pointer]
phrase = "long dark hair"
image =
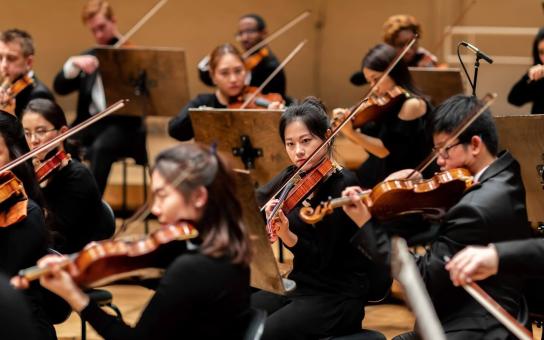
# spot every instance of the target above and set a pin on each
(12, 132)
(538, 38)
(221, 228)
(378, 59)
(49, 110)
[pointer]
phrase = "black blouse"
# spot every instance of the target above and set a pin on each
(525, 92)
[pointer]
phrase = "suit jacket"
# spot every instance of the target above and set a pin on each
(524, 257)
(492, 210)
(35, 90)
(83, 84)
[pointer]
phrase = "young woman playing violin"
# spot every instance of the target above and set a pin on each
(23, 233)
(228, 73)
(399, 139)
(71, 194)
(205, 292)
(331, 277)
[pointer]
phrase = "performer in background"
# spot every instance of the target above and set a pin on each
(72, 199)
(19, 82)
(115, 136)
(331, 276)
(400, 139)
(251, 31)
(530, 87)
(204, 293)
(227, 70)
(492, 210)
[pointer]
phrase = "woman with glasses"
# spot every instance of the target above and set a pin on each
(228, 73)
(398, 140)
(73, 202)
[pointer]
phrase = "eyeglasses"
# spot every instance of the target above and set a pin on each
(39, 133)
(444, 152)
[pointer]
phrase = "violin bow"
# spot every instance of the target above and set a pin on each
(488, 100)
(274, 73)
(277, 33)
(140, 23)
(352, 114)
(61, 137)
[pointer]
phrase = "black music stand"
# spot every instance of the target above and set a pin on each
(438, 83)
(265, 274)
(248, 138)
(157, 76)
(522, 136)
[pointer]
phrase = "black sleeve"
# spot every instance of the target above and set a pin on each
(179, 292)
(523, 257)
(523, 91)
(180, 127)
(63, 85)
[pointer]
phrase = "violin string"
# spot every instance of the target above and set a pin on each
(348, 118)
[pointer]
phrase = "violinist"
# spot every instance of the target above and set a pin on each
(19, 82)
(492, 210)
(331, 276)
(398, 31)
(531, 85)
(72, 198)
(204, 293)
(251, 31)
(399, 140)
(116, 136)
(24, 242)
(228, 72)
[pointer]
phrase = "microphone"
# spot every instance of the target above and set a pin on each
(476, 50)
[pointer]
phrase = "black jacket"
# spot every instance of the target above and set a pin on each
(35, 90)
(524, 92)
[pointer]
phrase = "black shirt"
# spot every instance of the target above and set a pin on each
(198, 298)
(324, 260)
(524, 92)
(75, 204)
(180, 127)
(35, 90)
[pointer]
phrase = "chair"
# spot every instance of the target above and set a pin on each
(124, 183)
(257, 320)
(103, 298)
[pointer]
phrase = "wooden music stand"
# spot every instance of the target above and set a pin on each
(522, 136)
(158, 76)
(265, 274)
(438, 83)
(248, 138)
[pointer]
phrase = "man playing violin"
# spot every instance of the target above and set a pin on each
(491, 210)
(116, 136)
(19, 82)
(251, 31)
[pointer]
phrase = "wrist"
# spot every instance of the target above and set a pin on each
(78, 300)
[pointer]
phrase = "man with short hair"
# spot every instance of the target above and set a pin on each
(16, 60)
(115, 136)
(251, 31)
(491, 210)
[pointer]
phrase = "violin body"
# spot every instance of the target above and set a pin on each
(57, 161)
(106, 261)
(253, 60)
(259, 102)
(8, 103)
(13, 199)
(377, 108)
(395, 198)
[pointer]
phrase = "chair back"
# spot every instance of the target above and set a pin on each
(255, 328)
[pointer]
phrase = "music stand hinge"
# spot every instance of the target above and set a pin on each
(247, 152)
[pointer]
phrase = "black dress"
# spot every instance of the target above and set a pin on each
(198, 298)
(75, 204)
(180, 127)
(525, 92)
(332, 277)
(408, 142)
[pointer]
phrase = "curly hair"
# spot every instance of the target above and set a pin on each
(399, 22)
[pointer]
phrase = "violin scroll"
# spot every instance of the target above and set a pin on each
(312, 216)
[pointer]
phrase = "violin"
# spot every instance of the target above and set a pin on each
(106, 261)
(394, 198)
(12, 90)
(13, 199)
(259, 101)
(57, 161)
(376, 108)
(299, 191)
(253, 60)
